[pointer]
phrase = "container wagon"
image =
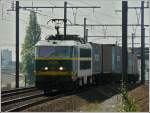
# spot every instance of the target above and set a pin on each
(112, 64)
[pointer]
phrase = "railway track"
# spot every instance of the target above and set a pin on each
(7, 93)
(23, 102)
(22, 98)
(12, 104)
(26, 101)
(12, 98)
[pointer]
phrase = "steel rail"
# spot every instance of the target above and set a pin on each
(17, 92)
(16, 89)
(46, 99)
(12, 101)
(27, 105)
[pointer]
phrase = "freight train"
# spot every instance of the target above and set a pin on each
(71, 62)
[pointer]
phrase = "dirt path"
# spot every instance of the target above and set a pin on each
(140, 96)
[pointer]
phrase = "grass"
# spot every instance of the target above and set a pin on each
(128, 104)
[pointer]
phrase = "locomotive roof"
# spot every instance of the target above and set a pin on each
(62, 43)
(68, 37)
(60, 40)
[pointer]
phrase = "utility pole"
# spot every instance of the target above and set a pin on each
(86, 35)
(65, 19)
(85, 30)
(142, 40)
(133, 36)
(124, 41)
(17, 44)
(142, 44)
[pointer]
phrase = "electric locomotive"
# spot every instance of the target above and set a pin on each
(62, 63)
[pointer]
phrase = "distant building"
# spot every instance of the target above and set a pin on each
(6, 58)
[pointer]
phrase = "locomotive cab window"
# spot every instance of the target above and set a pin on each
(54, 51)
(85, 53)
(85, 64)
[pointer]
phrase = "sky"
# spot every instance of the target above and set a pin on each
(107, 14)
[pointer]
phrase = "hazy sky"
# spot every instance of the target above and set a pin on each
(105, 15)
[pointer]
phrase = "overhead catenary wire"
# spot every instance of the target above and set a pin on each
(26, 23)
(31, 10)
(74, 14)
(138, 21)
(91, 27)
(97, 11)
(42, 25)
(117, 15)
(88, 19)
(39, 13)
(2, 11)
(82, 16)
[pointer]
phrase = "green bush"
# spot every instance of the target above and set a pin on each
(127, 104)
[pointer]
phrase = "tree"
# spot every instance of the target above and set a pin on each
(33, 35)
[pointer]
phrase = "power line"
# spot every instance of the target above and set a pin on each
(89, 18)
(111, 25)
(45, 15)
(115, 9)
(37, 7)
(101, 12)
(26, 23)
(136, 43)
(115, 36)
(85, 15)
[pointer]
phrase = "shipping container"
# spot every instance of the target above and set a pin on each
(130, 63)
(135, 65)
(107, 58)
(112, 63)
(116, 60)
(96, 58)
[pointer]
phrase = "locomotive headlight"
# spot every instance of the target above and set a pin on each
(61, 68)
(46, 68)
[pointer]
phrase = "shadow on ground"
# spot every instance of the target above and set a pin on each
(104, 92)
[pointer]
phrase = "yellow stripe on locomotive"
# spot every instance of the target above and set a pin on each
(44, 58)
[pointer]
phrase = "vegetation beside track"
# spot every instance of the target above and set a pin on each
(127, 104)
(33, 35)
